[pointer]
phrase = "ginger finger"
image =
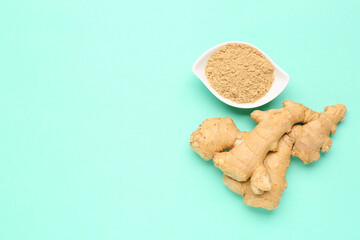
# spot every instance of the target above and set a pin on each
(214, 135)
(314, 136)
(260, 180)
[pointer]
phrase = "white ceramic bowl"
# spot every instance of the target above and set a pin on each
(281, 79)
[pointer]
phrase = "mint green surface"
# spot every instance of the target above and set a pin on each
(98, 101)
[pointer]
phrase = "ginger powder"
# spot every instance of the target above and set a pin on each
(240, 73)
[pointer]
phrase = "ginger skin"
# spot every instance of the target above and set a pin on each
(260, 181)
(314, 136)
(241, 161)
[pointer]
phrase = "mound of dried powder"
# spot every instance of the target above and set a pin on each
(240, 73)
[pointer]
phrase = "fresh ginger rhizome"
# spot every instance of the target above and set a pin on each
(255, 167)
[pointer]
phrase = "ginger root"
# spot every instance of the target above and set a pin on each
(260, 180)
(240, 162)
(256, 165)
(214, 135)
(276, 163)
(312, 137)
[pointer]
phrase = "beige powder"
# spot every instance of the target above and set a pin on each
(240, 73)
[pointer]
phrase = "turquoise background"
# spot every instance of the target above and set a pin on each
(98, 101)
